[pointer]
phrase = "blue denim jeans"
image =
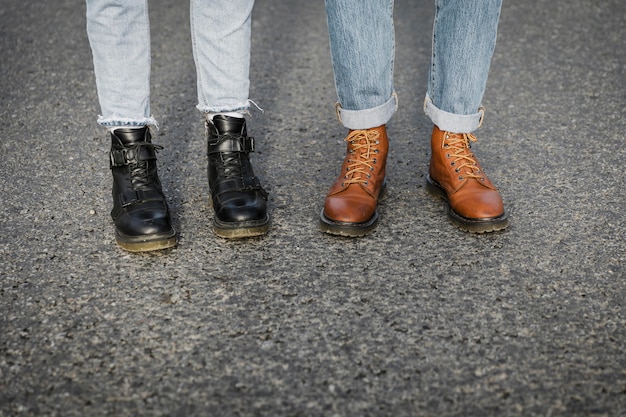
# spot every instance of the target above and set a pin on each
(119, 35)
(362, 50)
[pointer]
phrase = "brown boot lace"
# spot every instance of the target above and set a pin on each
(363, 145)
(459, 149)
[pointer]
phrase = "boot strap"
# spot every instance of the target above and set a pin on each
(130, 197)
(229, 143)
(126, 156)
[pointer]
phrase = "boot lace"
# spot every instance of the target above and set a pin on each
(463, 159)
(232, 166)
(231, 161)
(140, 171)
(361, 156)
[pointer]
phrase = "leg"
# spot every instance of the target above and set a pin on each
(362, 48)
(221, 32)
(119, 35)
(464, 39)
(362, 51)
(120, 40)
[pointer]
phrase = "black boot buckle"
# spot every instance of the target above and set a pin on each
(145, 151)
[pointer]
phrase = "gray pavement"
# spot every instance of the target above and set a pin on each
(417, 319)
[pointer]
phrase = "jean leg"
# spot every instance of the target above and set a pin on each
(220, 32)
(464, 38)
(362, 42)
(119, 35)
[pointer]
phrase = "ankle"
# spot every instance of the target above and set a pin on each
(235, 114)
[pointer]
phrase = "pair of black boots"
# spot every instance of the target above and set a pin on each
(140, 212)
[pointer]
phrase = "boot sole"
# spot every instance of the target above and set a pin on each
(469, 225)
(352, 229)
(240, 230)
(146, 243)
(347, 229)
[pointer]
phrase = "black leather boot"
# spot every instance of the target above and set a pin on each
(237, 198)
(140, 212)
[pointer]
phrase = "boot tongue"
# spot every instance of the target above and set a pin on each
(129, 137)
(230, 125)
(132, 136)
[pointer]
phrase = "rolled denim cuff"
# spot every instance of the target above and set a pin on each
(450, 122)
(368, 118)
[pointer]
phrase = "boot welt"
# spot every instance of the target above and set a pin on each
(347, 229)
(146, 243)
(492, 224)
(239, 230)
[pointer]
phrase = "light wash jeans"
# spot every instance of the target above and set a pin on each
(362, 50)
(119, 35)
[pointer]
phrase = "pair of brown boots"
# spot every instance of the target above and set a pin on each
(350, 208)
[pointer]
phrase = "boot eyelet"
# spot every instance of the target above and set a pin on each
(456, 170)
(366, 182)
(343, 184)
(453, 163)
(461, 177)
(369, 175)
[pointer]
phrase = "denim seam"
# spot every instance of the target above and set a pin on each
(194, 44)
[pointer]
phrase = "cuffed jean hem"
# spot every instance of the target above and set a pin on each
(241, 107)
(114, 121)
(450, 122)
(368, 118)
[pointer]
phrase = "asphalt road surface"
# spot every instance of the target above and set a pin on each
(416, 319)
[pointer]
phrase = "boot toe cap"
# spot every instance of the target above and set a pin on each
(144, 223)
(348, 210)
(237, 210)
(479, 206)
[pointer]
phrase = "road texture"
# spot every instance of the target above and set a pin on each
(417, 319)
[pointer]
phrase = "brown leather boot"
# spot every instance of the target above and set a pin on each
(456, 175)
(350, 206)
